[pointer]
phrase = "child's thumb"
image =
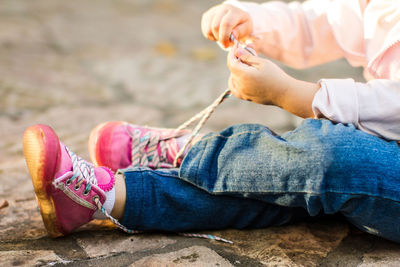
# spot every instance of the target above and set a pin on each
(242, 31)
(246, 57)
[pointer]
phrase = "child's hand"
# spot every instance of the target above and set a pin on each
(220, 21)
(256, 79)
(261, 81)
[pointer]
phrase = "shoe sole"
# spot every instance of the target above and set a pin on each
(42, 151)
(95, 135)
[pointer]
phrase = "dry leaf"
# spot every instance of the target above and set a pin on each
(166, 49)
(204, 53)
(167, 6)
(4, 204)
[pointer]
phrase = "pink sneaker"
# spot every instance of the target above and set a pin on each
(68, 189)
(119, 145)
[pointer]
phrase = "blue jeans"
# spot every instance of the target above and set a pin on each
(247, 177)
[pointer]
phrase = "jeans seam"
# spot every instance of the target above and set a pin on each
(311, 193)
(140, 213)
(227, 137)
(274, 192)
(270, 192)
(198, 165)
(155, 171)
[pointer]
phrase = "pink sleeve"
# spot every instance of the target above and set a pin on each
(296, 34)
(373, 107)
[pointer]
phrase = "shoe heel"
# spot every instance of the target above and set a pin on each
(41, 148)
(97, 134)
(93, 138)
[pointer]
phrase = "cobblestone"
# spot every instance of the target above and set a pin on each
(75, 64)
(195, 256)
(28, 257)
(106, 243)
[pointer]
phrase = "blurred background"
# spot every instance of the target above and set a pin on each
(74, 64)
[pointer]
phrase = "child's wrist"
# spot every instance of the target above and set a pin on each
(288, 87)
(298, 97)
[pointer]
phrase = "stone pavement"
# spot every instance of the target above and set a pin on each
(74, 64)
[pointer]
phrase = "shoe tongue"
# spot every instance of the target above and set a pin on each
(105, 178)
(65, 163)
(174, 145)
(172, 151)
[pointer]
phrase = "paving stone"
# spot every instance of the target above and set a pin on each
(383, 253)
(29, 258)
(21, 221)
(106, 243)
(292, 245)
(196, 256)
(388, 257)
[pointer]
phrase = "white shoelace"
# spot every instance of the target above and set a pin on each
(82, 170)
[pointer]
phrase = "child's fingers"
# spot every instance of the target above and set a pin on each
(251, 45)
(233, 87)
(236, 67)
(216, 23)
(232, 60)
(219, 22)
(234, 64)
(242, 30)
(236, 24)
(206, 22)
(239, 60)
(227, 24)
(247, 58)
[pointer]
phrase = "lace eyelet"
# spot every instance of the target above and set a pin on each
(85, 193)
(68, 182)
(76, 187)
(96, 197)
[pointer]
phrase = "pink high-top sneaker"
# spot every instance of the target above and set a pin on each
(68, 189)
(119, 145)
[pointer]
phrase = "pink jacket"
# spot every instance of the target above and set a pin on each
(366, 33)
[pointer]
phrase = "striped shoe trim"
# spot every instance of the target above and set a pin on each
(74, 197)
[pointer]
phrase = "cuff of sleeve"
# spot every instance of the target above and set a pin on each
(337, 101)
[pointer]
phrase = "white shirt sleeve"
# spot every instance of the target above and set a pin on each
(373, 107)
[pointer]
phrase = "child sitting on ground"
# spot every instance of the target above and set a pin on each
(343, 159)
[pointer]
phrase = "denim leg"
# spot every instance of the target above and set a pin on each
(160, 200)
(320, 166)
